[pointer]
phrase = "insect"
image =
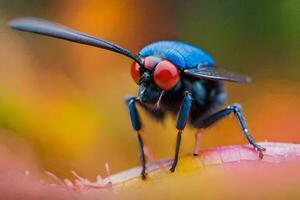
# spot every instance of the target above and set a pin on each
(173, 77)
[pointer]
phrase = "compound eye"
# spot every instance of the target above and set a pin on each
(165, 75)
(135, 72)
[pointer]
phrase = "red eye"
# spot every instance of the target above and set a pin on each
(165, 75)
(135, 72)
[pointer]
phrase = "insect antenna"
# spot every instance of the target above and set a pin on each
(52, 29)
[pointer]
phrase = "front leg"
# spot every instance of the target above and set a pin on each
(136, 125)
(182, 118)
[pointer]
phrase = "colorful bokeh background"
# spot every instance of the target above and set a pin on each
(63, 102)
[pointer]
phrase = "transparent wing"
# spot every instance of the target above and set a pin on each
(44, 27)
(217, 73)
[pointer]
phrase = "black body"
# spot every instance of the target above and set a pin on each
(207, 95)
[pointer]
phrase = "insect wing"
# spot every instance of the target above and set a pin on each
(217, 73)
(51, 29)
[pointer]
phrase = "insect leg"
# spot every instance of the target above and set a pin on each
(136, 125)
(196, 145)
(180, 125)
(236, 109)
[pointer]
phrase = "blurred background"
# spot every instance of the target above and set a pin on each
(63, 102)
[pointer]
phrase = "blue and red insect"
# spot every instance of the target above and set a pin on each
(172, 76)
